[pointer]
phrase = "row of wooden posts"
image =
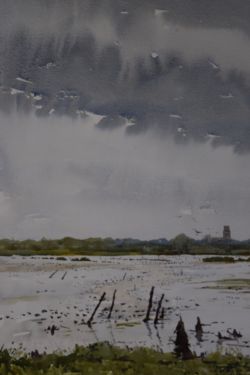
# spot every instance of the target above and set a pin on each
(160, 312)
(182, 347)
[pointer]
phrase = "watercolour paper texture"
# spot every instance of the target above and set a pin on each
(124, 165)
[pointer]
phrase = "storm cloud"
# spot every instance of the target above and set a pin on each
(145, 61)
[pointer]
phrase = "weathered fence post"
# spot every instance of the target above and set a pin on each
(158, 309)
(112, 304)
(96, 308)
(162, 315)
(150, 303)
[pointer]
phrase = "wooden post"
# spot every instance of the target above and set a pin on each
(112, 304)
(52, 274)
(96, 308)
(158, 309)
(162, 315)
(150, 303)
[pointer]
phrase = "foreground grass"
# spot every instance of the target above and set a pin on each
(107, 360)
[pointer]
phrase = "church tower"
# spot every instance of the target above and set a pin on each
(226, 232)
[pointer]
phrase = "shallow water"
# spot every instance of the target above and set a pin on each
(33, 297)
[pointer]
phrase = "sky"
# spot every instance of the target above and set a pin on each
(124, 118)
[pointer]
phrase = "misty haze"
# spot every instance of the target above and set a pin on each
(124, 120)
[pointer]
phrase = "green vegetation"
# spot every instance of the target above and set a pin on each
(127, 324)
(221, 259)
(237, 284)
(181, 244)
(103, 359)
(82, 259)
(230, 284)
(61, 258)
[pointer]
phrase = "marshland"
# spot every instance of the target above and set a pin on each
(41, 292)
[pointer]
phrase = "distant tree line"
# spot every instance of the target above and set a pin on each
(181, 244)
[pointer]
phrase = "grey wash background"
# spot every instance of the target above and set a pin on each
(124, 118)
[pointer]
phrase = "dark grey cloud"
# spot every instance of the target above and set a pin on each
(143, 60)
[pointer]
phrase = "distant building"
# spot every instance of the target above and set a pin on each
(226, 232)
